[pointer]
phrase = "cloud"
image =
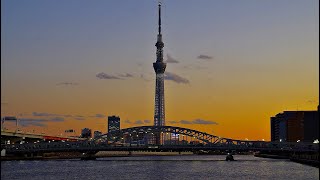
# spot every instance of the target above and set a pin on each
(99, 116)
(67, 84)
(205, 57)
(42, 114)
(138, 122)
(171, 59)
(175, 78)
(126, 75)
(173, 122)
(195, 121)
(185, 122)
(57, 119)
(32, 122)
(202, 121)
(79, 118)
(127, 121)
(103, 75)
(147, 121)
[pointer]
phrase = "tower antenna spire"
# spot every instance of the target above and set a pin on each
(159, 22)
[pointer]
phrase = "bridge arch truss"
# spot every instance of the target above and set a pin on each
(171, 135)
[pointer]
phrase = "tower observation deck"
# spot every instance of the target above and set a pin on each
(159, 68)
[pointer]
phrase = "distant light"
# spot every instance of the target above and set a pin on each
(316, 141)
(262, 139)
(298, 140)
(246, 139)
(280, 140)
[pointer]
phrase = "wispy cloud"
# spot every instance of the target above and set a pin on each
(126, 75)
(103, 75)
(171, 59)
(138, 122)
(80, 118)
(146, 121)
(43, 114)
(195, 121)
(67, 84)
(205, 57)
(173, 122)
(127, 121)
(57, 119)
(202, 121)
(99, 116)
(25, 122)
(175, 78)
(185, 122)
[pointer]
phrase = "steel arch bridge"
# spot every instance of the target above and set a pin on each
(126, 140)
(179, 134)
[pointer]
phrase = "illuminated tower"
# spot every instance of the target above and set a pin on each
(159, 68)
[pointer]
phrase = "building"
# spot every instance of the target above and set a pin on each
(86, 133)
(113, 124)
(97, 134)
(311, 126)
(159, 67)
(295, 126)
(274, 129)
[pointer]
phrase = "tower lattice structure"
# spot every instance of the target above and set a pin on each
(159, 68)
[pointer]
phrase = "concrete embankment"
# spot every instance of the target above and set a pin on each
(309, 159)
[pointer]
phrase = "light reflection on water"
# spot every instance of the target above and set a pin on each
(159, 167)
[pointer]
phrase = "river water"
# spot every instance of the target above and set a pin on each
(159, 167)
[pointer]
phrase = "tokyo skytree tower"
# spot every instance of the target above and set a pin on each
(159, 68)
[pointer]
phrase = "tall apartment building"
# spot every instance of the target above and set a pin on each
(113, 123)
(292, 126)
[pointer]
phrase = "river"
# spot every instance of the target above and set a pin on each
(159, 167)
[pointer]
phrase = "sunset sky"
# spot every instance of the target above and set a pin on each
(232, 64)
